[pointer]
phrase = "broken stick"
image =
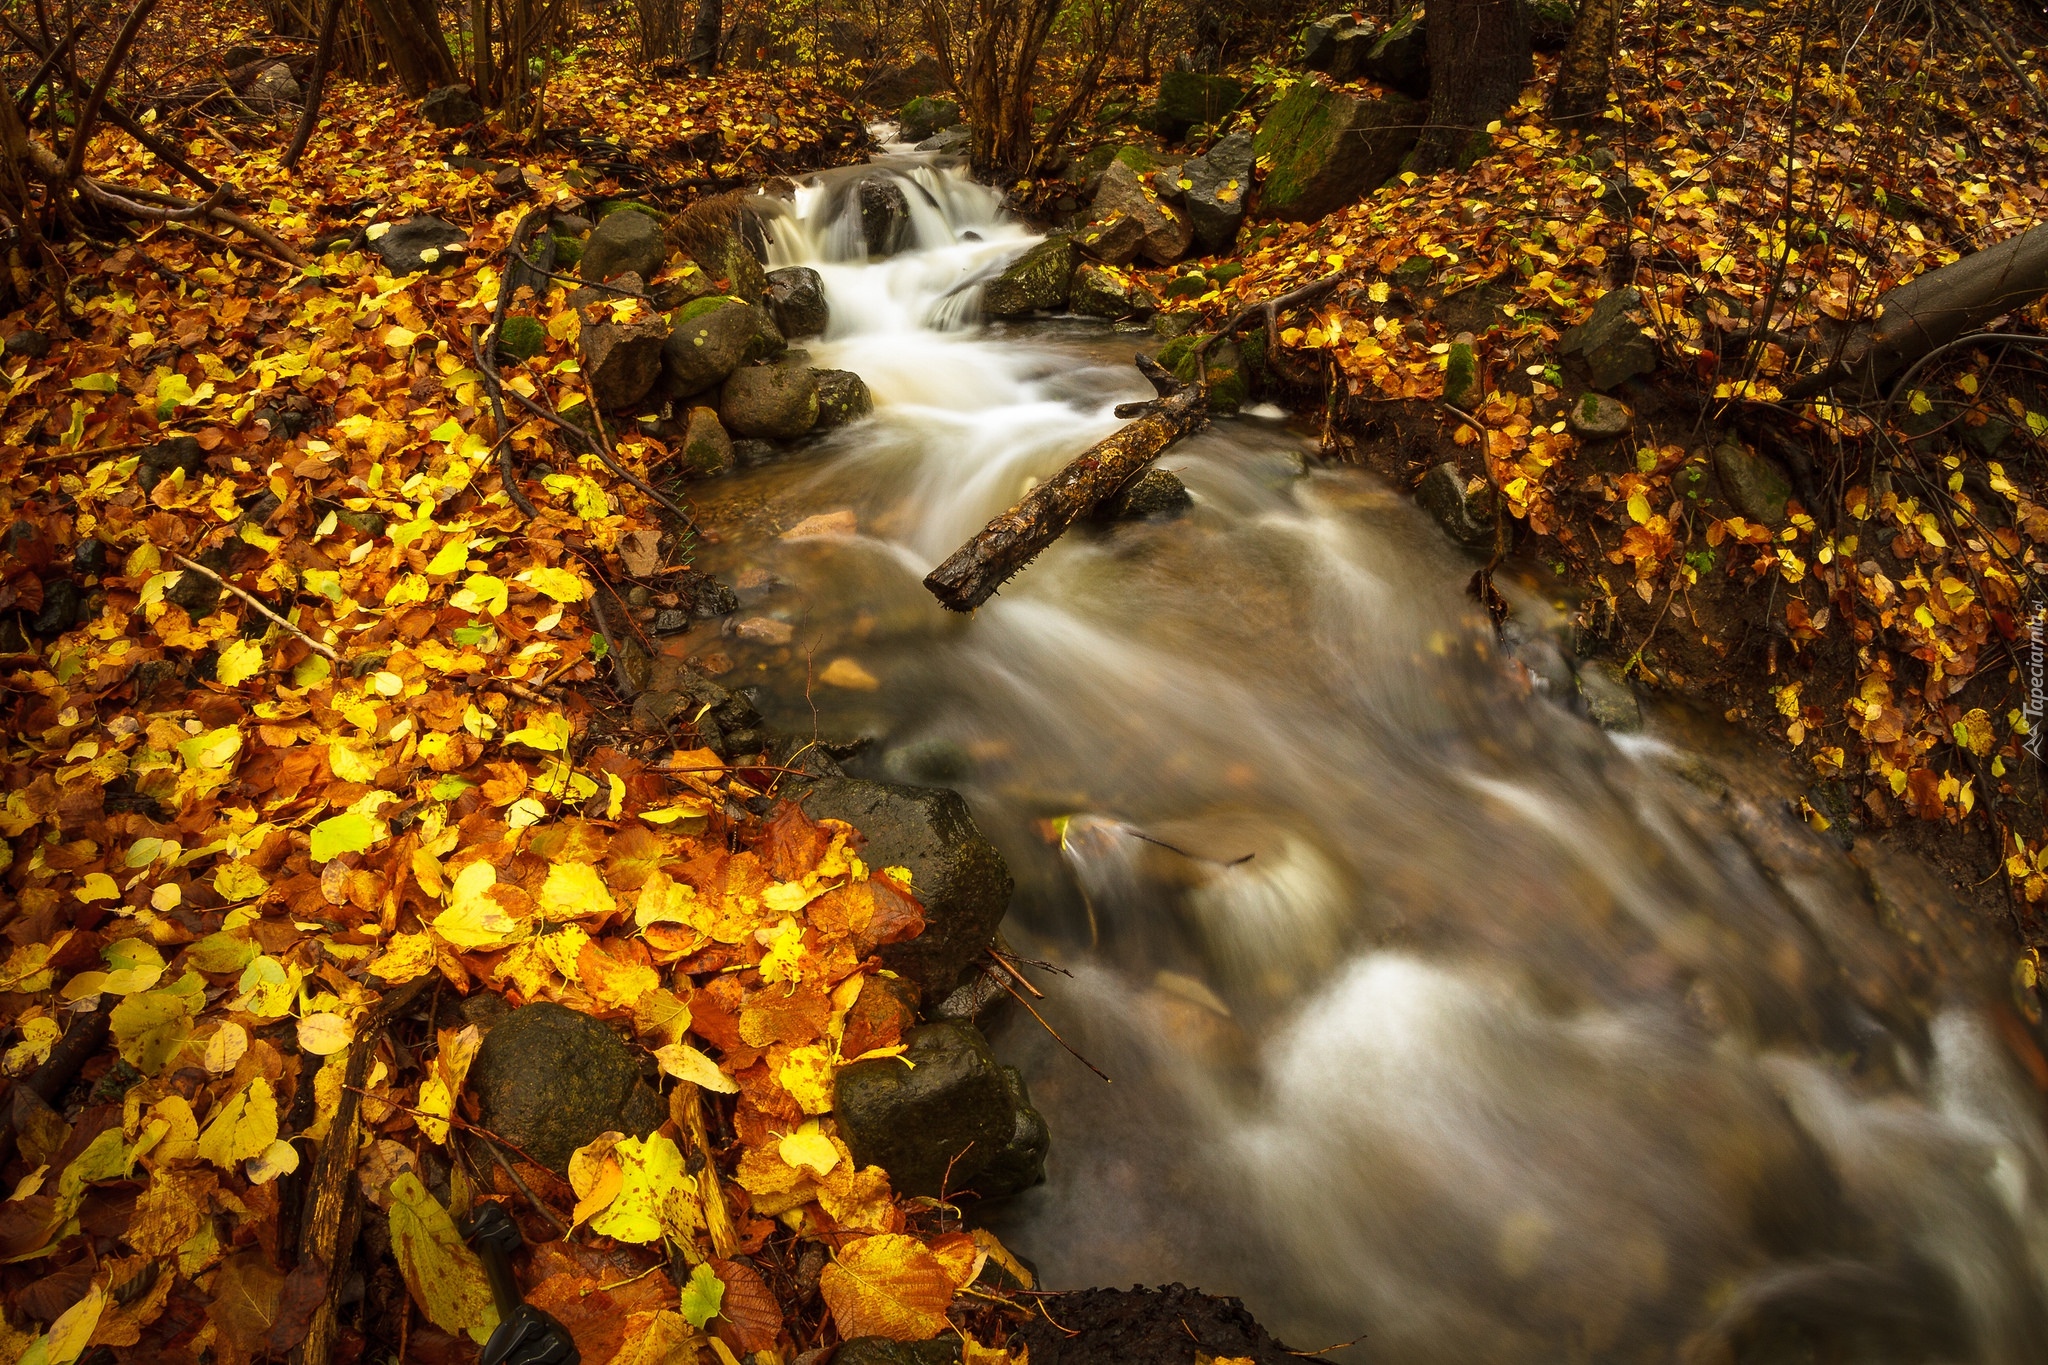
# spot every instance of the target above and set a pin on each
(1003, 547)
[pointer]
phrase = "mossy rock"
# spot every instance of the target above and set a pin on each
(1327, 147)
(1188, 287)
(1228, 386)
(522, 338)
(1224, 273)
(1190, 97)
(1038, 281)
(1461, 376)
(923, 116)
(613, 206)
(568, 250)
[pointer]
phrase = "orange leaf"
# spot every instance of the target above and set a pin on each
(887, 1286)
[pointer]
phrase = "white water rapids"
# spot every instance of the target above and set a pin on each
(1508, 1041)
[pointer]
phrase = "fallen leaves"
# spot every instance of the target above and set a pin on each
(445, 1276)
(887, 1286)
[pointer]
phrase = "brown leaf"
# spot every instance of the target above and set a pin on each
(247, 1290)
(305, 1289)
(44, 1299)
(887, 1286)
(749, 1319)
(791, 843)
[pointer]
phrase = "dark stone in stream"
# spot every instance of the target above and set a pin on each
(884, 216)
(1465, 513)
(1609, 702)
(950, 1122)
(549, 1079)
(955, 872)
(796, 299)
(1170, 1325)
(1155, 493)
(843, 397)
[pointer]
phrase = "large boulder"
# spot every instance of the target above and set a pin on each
(451, 106)
(944, 1124)
(711, 337)
(1168, 234)
(924, 116)
(549, 1079)
(420, 243)
(1611, 341)
(621, 360)
(1400, 57)
(769, 402)
(1337, 44)
(626, 241)
(1327, 147)
(1037, 281)
(955, 872)
(1190, 97)
(1115, 240)
(274, 88)
(843, 397)
(1103, 291)
(1214, 187)
(729, 263)
(884, 216)
(707, 449)
(796, 300)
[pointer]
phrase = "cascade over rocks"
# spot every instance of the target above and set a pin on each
(884, 216)
(843, 397)
(1327, 147)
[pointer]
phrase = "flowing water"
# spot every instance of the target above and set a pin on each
(1432, 1013)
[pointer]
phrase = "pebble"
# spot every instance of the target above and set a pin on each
(850, 675)
(765, 630)
(823, 525)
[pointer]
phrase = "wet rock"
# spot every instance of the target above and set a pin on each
(1400, 57)
(796, 300)
(1337, 44)
(1465, 512)
(1756, 486)
(90, 556)
(956, 873)
(1103, 291)
(1326, 148)
(1607, 699)
(1164, 1326)
(924, 116)
(421, 243)
(452, 106)
(1172, 326)
(749, 454)
(274, 87)
(936, 1125)
(1189, 97)
(884, 216)
(1596, 417)
(769, 402)
(1217, 184)
(550, 1079)
(712, 337)
(765, 630)
(626, 241)
(1155, 493)
(63, 600)
(701, 595)
(1115, 240)
(728, 261)
(1168, 234)
(157, 461)
(843, 397)
(34, 345)
(954, 141)
(1039, 280)
(1612, 343)
(1021, 1162)
(672, 686)
(707, 450)
(1229, 385)
(621, 360)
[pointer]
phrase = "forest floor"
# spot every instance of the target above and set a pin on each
(241, 833)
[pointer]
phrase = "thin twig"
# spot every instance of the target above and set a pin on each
(1053, 1031)
(257, 603)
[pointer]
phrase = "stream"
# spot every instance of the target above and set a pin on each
(1437, 1019)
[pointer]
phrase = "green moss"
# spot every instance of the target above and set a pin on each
(1224, 273)
(697, 308)
(1187, 287)
(522, 338)
(621, 205)
(1461, 376)
(1137, 158)
(568, 250)
(1298, 136)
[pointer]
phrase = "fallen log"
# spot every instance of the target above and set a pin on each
(971, 575)
(1927, 313)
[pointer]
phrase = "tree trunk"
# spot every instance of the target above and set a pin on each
(394, 31)
(1583, 71)
(1479, 60)
(316, 84)
(710, 28)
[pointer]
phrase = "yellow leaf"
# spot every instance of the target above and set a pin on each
(323, 1035)
(444, 1275)
(1638, 507)
(573, 890)
(809, 1147)
(238, 663)
(887, 1286)
(595, 1175)
(71, 1332)
(561, 584)
(243, 1127)
(654, 1194)
(807, 1076)
(685, 1063)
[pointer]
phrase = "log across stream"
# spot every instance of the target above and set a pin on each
(1433, 1012)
